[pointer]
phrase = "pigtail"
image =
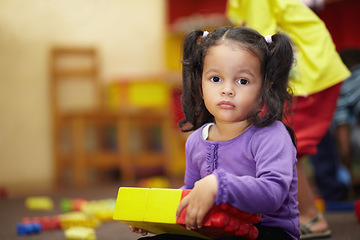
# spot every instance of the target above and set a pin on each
(279, 96)
(191, 75)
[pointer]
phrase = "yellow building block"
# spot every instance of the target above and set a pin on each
(80, 233)
(152, 209)
(130, 204)
(161, 205)
(102, 209)
(39, 203)
(78, 219)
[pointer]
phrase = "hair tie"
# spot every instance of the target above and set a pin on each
(268, 39)
(205, 33)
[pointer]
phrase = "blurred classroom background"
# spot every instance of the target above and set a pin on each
(90, 90)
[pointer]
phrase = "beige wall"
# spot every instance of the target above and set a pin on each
(129, 35)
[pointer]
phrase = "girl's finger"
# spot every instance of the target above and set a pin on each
(183, 203)
(190, 219)
(143, 232)
(200, 219)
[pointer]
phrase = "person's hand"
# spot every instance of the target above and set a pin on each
(199, 201)
(138, 230)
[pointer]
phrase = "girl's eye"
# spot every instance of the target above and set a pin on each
(243, 81)
(215, 79)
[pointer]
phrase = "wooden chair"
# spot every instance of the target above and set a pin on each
(80, 144)
(75, 77)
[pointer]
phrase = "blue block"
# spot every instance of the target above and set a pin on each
(36, 227)
(28, 228)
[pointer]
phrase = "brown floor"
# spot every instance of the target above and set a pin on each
(343, 224)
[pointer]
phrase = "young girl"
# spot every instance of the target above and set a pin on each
(235, 84)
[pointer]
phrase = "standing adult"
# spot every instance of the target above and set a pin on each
(315, 81)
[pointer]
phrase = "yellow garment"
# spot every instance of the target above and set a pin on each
(318, 65)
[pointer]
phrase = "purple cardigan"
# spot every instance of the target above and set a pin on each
(256, 172)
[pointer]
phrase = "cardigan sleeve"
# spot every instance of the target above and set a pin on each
(275, 157)
(192, 172)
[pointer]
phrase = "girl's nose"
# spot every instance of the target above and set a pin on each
(224, 93)
(228, 91)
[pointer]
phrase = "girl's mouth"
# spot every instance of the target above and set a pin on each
(226, 105)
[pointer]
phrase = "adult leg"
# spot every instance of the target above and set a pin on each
(311, 119)
(327, 165)
(342, 135)
(307, 208)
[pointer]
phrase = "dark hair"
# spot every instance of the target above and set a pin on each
(276, 59)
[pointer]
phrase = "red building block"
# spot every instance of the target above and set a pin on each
(77, 203)
(253, 233)
(223, 220)
(56, 222)
(46, 223)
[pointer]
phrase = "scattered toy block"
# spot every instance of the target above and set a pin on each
(65, 205)
(77, 203)
(39, 203)
(80, 233)
(102, 209)
(69, 205)
(56, 222)
(28, 228)
(47, 223)
(78, 219)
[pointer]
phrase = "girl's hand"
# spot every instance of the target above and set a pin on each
(199, 201)
(138, 230)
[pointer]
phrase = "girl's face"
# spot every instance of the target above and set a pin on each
(231, 82)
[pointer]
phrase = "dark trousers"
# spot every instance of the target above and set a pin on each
(326, 164)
